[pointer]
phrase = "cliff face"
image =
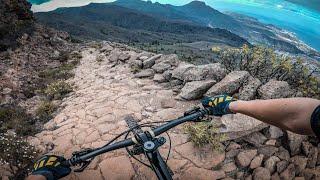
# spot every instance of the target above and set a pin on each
(16, 18)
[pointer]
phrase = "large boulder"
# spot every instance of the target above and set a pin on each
(275, 132)
(159, 78)
(245, 157)
(145, 73)
(196, 89)
(171, 59)
(230, 84)
(249, 89)
(181, 70)
(275, 89)
(161, 67)
(261, 174)
(294, 142)
(244, 125)
(148, 63)
(114, 55)
(124, 56)
(188, 72)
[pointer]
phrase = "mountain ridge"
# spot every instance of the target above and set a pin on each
(105, 18)
(201, 14)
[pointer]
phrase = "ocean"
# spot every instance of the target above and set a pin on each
(302, 21)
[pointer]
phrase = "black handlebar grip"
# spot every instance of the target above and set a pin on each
(132, 124)
(66, 163)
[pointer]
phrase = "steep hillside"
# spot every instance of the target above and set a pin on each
(15, 19)
(111, 22)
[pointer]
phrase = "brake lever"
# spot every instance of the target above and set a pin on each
(192, 111)
(83, 164)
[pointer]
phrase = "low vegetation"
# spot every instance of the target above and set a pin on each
(266, 64)
(16, 119)
(58, 90)
(16, 154)
(17, 124)
(204, 133)
(100, 58)
(45, 110)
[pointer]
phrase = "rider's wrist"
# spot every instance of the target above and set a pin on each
(47, 174)
(234, 106)
(36, 177)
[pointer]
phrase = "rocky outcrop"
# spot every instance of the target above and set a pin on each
(275, 89)
(195, 89)
(22, 69)
(230, 84)
(251, 149)
(244, 126)
(249, 89)
(15, 20)
(188, 72)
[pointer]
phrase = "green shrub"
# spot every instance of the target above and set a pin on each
(265, 64)
(76, 55)
(45, 110)
(204, 133)
(58, 90)
(75, 39)
(62, 72)
(15, 118)
(64, 56)
(100, 58)
(16, 153)
(96, 45)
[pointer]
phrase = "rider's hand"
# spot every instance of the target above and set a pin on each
(218, 105)
(50, 167)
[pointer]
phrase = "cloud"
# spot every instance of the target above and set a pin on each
(54, 4)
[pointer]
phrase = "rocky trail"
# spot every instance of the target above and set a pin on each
(94, 114)
(114, 80)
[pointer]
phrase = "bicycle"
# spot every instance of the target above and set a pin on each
(143, 142)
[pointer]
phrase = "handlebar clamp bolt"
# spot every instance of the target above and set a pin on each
(149, 145)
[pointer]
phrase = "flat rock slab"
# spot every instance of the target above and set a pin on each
(245, 125)
(275, 89)
(195, 89)
(230, 84)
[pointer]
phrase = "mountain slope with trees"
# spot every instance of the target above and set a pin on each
(115, 23)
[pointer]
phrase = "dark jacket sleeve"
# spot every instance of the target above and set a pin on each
(315, 122)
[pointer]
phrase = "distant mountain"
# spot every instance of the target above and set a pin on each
(197, 12)
(206, 15)
(312, 4)
(116, 23)
(193, 19)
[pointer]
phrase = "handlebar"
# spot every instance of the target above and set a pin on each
(191, 116)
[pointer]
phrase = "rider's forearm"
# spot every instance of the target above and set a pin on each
(291, 114)
(36, 177)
